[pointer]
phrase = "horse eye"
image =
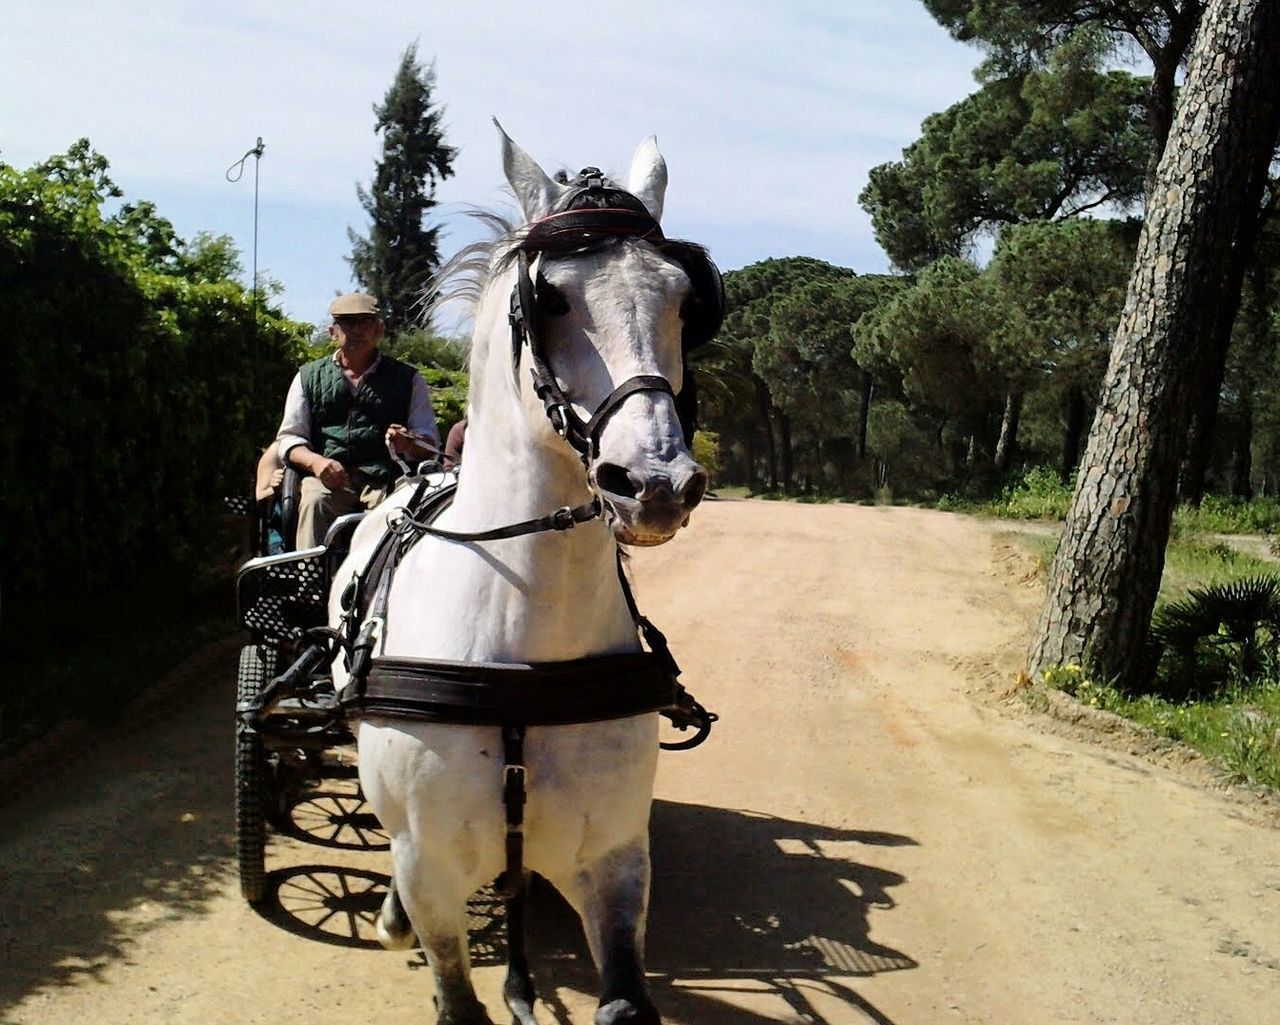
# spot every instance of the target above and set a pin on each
(551, 301)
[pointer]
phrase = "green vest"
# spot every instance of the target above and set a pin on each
(352, 428)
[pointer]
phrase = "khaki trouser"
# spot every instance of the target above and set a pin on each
(318, 506)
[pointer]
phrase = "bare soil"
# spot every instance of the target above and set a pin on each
(877, 832)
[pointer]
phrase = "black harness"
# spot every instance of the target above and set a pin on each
(512, 696)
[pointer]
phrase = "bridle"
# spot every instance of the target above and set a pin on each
(592, 215)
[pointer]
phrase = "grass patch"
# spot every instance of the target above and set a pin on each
(1218, 514)
(1195, 562)
(1238, 730)
(729, 491)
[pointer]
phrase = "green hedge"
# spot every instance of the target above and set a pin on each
(139, 387)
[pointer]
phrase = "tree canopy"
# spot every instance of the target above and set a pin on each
(401, 251)
(1018, 35)
(1052, 142)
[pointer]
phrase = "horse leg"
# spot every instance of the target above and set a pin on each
(395, 931)
(612, 897)
(436, 904)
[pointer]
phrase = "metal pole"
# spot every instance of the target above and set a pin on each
(233, 174)
(257, 154)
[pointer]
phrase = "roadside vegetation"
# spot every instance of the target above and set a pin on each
(1212, 677)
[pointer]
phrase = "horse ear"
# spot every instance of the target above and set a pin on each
(535, 192)
(647, 180)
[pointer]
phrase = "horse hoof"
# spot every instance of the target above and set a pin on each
(395, 932)
(624, 1012)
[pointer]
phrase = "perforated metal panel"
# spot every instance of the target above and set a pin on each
(282, 596)
(240, 505)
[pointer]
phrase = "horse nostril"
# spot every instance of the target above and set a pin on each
(616, 480)
(695, 487)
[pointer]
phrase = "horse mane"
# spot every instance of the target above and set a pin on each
(460, 281)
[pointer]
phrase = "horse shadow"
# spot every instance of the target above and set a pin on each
(742, 903)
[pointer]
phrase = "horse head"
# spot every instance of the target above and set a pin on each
(605, 309)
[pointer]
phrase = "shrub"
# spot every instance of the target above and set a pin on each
(1039, 494)
(1217, 636)
(706, 453)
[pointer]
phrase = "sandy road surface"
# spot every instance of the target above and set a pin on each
(872, 835)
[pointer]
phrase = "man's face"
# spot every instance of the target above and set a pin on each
(358, 330)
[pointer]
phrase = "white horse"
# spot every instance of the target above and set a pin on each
(544, 597)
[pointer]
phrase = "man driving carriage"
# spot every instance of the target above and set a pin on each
(346, 414)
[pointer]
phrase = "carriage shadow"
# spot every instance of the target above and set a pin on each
(744, 904)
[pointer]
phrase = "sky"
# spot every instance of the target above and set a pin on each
(769, 114)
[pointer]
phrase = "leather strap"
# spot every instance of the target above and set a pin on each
(552, 231)
(641, 382)
(564, 518)
(493, 694)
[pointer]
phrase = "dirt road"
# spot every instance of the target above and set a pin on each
(871, 836)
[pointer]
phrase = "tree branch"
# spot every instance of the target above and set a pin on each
(1106, 197)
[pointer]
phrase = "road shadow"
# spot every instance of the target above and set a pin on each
(126, 833)
(136, 830)
(743, 904)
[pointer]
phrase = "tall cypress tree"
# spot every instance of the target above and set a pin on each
(401, 251)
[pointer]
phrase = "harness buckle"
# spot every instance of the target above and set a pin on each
(562, 518)
(513, 795)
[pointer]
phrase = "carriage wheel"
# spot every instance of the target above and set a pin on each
(257, 667)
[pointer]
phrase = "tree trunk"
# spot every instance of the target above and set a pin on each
(1242, 453)
(1007, 446)
(864, 414)
(784, 442)
(1107, 571)
(1195, 462)
(1076, 412)
(764, 405)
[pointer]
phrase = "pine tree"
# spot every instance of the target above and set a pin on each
(401, 252)
(1187, 275)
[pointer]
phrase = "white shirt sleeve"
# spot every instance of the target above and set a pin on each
(295, 426)
(422, 418)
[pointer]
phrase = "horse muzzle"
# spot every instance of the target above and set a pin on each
(648, 509)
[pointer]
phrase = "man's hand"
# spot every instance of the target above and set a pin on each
(267, 488)
(331, 474)
(403, 443)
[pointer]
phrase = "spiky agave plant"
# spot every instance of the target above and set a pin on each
(1215, 636)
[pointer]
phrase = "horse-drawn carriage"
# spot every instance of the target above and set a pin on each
(486, 653)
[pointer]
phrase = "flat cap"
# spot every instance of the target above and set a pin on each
(354, 304)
